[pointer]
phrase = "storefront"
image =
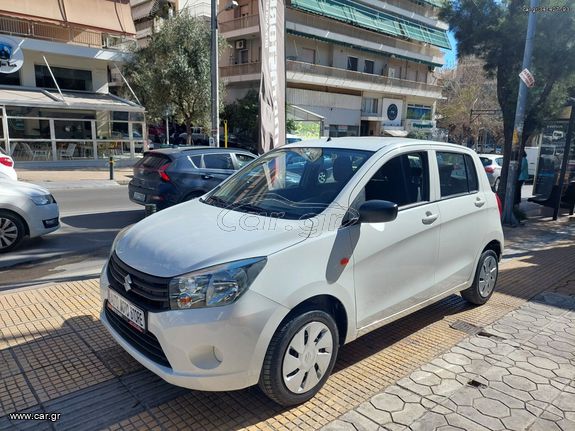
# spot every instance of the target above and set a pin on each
(45, 125)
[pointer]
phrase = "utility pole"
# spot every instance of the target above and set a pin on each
(508, 216)
(214, 72)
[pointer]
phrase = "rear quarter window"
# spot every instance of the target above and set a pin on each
(154, 161)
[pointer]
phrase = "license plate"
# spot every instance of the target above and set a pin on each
(121, 306)
(139, 196)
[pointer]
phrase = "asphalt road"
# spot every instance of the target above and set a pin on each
(90, 220)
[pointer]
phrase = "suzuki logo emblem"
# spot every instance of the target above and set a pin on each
(128, 283)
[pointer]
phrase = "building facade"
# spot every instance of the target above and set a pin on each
(57, 59)
(362, 67)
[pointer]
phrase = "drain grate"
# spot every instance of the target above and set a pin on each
(468, 328)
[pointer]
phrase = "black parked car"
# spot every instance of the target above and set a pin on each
(170, 176)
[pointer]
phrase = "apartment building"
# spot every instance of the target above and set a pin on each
(148, 15)
(361, 67)
(56, 58)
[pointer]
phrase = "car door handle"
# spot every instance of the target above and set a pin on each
(479, 202)
(207, 177)
(429, 217)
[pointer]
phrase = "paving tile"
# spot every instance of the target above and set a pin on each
(35, 330)
(59, 379)
(8, 365)
(26, 314)
(15, 394)
(45, 352)
(142, 421)
(118, 361)
(7, 424)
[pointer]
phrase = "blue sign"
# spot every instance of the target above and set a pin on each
(11, 56)
(392, 111)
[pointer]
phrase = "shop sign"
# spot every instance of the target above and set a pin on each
(11, 56)
(392, 109)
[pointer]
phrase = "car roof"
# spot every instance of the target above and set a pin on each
(371, 143)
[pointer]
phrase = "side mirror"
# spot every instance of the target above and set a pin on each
(376, 211)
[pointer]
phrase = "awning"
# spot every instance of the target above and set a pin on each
(299, 114)
(147, 8)
(36, 97)
(372, 19)
(396, 133)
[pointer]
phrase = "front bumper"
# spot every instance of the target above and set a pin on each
(209, 349)
(43, 219)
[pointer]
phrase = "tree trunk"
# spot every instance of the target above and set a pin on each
(188, 122)
(508, 112)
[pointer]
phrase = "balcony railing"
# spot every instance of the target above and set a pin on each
(332, 72)
(240, 23)
(240, 69)
(73, 35)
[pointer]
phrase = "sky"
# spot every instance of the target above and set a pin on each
(451, 55)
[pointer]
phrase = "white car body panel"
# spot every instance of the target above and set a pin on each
(394, 268)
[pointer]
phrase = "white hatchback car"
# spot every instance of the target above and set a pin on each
(266, 276)
(25, 210)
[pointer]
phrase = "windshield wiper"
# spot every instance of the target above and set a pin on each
(216, 201)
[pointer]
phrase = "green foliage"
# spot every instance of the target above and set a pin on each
(174, 71)
(243, 117)
(307, 129)
(417, 134)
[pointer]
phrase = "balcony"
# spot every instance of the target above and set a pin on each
(240, 26)
(307, 73)
(241, 72)
(71, 35)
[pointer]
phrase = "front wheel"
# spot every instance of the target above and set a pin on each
(300, 358)
(485, 279)
(12, 231)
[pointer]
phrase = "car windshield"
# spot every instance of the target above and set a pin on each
(291, 183)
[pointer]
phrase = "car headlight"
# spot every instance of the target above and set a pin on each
(43, 199)
(120, 235)
(215, 286)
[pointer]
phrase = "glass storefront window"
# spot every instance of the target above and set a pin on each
(342, 131)
(117, 149)
(136, 116)
(67, 79)
(120, 116)
(25, 111)
(418, 112)
(137, 130)
(75, 150)
(31, 151)
(120, 130)
(67, 129)
(28, 128)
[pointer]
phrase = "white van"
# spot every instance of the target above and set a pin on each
(303, 250)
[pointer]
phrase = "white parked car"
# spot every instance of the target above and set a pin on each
(25, 210)
(492, 163)
(7, 166)
(264, 278)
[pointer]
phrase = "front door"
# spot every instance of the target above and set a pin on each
(394, 262)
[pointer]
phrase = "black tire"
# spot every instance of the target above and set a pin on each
(272, 379)
(476, 294)
(12, 231)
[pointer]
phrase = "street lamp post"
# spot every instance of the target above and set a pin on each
(215, 84)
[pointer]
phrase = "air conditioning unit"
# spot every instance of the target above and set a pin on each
(241, 44)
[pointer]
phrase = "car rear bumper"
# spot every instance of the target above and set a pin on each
(146, 196)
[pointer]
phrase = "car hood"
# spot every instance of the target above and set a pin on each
(195, 235)
(19, 187)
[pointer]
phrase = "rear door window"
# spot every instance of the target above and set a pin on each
(457, 174)
(243, 159)
(218, 161)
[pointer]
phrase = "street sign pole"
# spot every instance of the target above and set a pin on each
(512, 174)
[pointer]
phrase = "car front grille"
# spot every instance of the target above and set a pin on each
(145, 343)
(146, 291)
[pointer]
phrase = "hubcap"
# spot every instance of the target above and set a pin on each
(307, 357)
(487, 276)
(8, 232)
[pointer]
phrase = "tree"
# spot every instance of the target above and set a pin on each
(494, 31)
(465, 88)
(173, 72)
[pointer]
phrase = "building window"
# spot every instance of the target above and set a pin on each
(67, 79)
(368, 68)
(339, 131)
(352, 63)
(307, 55)
(369, 105)
(418, 112)
(10, 78)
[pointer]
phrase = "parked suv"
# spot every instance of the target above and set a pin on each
(170, 176)
(264, 278)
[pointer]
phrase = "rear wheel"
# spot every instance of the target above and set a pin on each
(12, 231)
(485, 279)
(300, 358)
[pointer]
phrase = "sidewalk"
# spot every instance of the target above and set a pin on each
(57, 179)
(55, 356)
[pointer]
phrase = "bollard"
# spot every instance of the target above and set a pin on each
(111, 163)
(150, 209)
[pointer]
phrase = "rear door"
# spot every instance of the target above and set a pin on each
(462, 210)
(216, 167)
